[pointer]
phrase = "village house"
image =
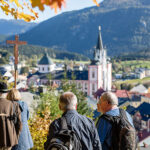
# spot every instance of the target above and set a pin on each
(134, 99)
(141, 120)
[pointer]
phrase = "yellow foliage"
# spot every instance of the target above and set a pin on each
(95, 2)
(14, 6)
(39, 127)
(16, 2)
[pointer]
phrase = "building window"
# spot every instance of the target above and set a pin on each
(43, 68)
(85, 86)
(93, 87)
(79, 85)
(93, 74)
(48, 68)
(85, 93)
(39, 68)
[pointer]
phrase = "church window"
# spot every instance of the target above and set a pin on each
(85, 93)
(93, 74)
(79, 85)
(93, 87)
(93, 93)
(85, 86)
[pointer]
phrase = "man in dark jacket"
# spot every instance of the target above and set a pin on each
(8, 136)
(83, 126)
(108, 104)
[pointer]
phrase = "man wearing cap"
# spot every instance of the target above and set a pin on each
(8, 135)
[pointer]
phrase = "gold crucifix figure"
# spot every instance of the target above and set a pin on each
(16, 44)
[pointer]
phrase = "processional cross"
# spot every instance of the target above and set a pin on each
(16, 44)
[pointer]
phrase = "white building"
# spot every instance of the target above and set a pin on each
(46, 65)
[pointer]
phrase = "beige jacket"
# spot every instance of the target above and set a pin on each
(8, 135)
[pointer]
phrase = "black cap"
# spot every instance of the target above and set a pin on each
(3, 87)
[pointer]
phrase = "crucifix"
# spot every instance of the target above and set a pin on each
(16, 44)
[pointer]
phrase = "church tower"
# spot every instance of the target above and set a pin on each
(100, 69)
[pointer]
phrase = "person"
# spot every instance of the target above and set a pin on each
(8, 134)
(81, 125)
(25, 140)
(108, 104)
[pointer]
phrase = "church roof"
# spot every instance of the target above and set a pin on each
(79, 75)
(45, 60)
(58, 75)
(99, 42)
(2, 71)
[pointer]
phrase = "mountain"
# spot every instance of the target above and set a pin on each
(10, 27)
(125, 27)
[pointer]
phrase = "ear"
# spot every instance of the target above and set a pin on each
(107, 103)
(76, 106)
(60, 106)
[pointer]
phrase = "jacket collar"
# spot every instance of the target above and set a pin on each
(69, 112)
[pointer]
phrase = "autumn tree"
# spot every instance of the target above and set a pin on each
(21, 9)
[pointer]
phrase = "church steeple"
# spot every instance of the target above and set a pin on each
(99, 52)
(99, 42)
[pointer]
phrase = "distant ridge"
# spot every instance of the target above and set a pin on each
(10, 27)
(125, 28)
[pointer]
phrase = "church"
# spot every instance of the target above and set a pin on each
(98, 75)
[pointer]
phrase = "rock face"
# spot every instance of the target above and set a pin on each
(125, 27)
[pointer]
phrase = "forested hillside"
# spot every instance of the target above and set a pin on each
(125, 28)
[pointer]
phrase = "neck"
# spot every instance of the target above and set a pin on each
(111, 108)
(114, 107)
(67, 110)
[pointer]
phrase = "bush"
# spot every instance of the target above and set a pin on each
(39, 127)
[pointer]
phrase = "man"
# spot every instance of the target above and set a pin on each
(81, 125)
(108, 104)
(8, 136)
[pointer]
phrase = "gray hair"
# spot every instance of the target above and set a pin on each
(68, 100)
(110, 97)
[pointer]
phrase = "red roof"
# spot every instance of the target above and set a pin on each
(122, 93)
(147, 95)
(143, 134)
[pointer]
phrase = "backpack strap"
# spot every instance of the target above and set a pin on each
(108, 118)
(64, 123)
(14, 108)
(123, 115)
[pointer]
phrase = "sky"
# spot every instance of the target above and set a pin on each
(48, 13)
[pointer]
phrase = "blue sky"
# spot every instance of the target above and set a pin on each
(48, 13)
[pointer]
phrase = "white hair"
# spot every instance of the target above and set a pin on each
(68, 101)
(110, 97)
